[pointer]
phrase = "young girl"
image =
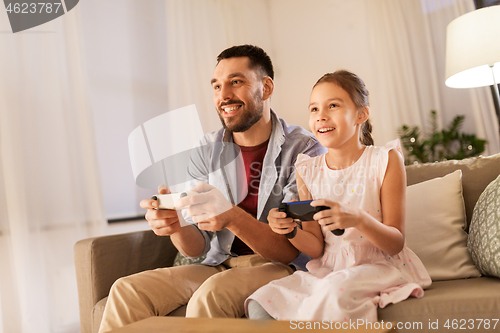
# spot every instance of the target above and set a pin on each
(364, 187)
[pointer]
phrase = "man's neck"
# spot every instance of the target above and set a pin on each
(260, 132)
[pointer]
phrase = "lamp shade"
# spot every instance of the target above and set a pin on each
(472, 46)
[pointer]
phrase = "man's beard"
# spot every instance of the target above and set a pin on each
(247, 119)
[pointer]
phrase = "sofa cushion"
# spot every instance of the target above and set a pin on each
(435, 218)
(463, 299)
(484, 234)
(97, 313)
(477, 173)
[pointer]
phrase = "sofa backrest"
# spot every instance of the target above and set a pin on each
(477, 173)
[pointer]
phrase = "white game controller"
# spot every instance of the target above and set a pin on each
(167, 201)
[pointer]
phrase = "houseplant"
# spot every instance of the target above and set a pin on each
(439, 145)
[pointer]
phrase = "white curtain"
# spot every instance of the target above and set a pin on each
(50, 193)
(408, 42)
(197, 31)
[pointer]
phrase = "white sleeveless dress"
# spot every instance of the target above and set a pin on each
(353, 277)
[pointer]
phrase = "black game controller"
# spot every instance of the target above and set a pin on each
(303, 211)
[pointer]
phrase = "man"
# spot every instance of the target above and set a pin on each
(243, 253)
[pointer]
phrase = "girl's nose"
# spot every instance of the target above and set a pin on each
(320, 115)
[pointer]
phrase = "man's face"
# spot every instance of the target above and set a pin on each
(237, 94)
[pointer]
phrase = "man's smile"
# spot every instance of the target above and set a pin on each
(230, 108)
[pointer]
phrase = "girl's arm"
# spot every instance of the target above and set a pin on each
(309, 240)
(387, 236)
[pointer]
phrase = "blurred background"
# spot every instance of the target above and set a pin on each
(73, 89)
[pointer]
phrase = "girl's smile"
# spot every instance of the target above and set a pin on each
(333, 116)
(325, 130)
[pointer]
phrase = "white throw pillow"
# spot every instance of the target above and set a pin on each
(435, 218)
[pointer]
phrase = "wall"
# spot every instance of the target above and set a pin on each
(310, 40)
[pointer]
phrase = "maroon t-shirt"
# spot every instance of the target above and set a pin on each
(252, 158)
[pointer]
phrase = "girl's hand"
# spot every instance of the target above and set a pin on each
(279, 223)
(339, 216)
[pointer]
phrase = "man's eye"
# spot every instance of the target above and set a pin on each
(216, 87)
(236, 81)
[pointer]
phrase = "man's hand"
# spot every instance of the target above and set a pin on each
(208, 208)
(163, 222)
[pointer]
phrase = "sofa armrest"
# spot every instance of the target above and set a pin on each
(100, 261)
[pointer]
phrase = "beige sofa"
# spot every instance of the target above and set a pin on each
(460, 302)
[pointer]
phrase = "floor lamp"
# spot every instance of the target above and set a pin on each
(473, 51)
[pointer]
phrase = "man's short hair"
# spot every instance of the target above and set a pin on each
(258, 57)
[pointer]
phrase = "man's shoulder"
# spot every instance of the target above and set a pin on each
(215, 136)
(298, 140)
(289, 129)
(297, 134)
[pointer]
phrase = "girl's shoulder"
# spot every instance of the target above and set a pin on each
(303, 159)
(382, 152)
(304, 162)
(392, 145)
(379, 156)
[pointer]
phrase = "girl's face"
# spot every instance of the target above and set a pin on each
(333, 116)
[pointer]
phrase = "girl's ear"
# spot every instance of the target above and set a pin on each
(268, 87)
(363, 114)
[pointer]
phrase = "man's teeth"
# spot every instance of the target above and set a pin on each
(323, 130)
(231, 109)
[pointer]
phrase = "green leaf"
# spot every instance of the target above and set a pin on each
(449, 143)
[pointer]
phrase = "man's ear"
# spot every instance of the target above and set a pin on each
(363, 114)
(268, 87)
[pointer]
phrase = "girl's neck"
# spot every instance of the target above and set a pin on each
(344, 157)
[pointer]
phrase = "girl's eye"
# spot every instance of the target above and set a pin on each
(333, 106)
(314, 109)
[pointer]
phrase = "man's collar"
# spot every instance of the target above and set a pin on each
(227, 136)
(277, 133)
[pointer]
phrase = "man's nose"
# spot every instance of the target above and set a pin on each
(226, 93)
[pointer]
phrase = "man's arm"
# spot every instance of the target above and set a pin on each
(189, 241)
(213, 212)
